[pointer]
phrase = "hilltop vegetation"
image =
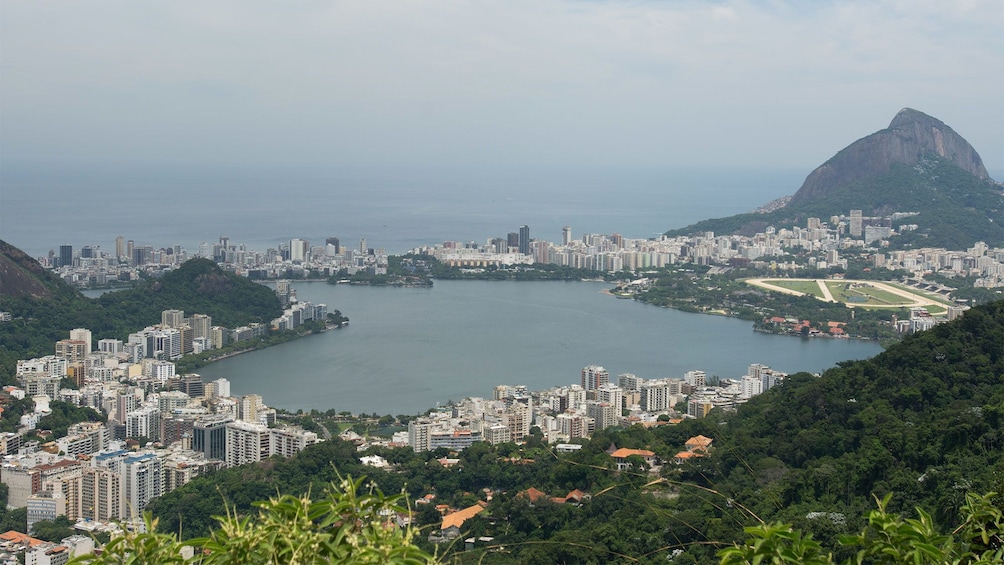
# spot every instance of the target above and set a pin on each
(917, 164)
(955, 208)
(923, 421)
(51, 308)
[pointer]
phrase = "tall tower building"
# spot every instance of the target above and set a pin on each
(512, 240)
(855, 227)
(594, 376)
(334, 241)
(143, 480)
(172, 318)
(524, 240)
(66, 255)
(566, 235)
(202, 325)
(209, 435)
(297, 250)
(119, 246)
(84, 335)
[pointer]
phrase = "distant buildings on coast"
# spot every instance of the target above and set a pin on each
(825, 242)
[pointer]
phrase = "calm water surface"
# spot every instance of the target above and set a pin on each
(409, 349)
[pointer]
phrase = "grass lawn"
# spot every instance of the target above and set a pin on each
(805, 287)
(863, 294)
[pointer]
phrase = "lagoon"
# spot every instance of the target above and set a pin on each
(408, 349)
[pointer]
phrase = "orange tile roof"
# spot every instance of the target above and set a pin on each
(459, 517)
(533, 494)
(699, 442)
(17, 537)
(624, 453)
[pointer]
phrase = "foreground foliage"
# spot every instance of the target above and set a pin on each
(888, 538)
(351, 523)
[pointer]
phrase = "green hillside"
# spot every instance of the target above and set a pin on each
(44, 308)
(923, 421)
(956, 208)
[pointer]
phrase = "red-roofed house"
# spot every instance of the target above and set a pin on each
(620, 457)
(452, 523)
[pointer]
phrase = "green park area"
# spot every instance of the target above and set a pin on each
(860, 294)
(804, 287)
(864, 294)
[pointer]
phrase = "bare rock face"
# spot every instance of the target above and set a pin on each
(910, 137)
(20, 275)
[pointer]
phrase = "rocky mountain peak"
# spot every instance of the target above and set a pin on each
(911, 136)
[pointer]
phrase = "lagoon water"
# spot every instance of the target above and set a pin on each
(409, 349)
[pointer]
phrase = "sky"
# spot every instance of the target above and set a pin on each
(514, 83)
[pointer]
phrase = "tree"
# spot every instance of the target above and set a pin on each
(353, 523)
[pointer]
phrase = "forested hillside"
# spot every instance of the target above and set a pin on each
(923, 421)
(44, 308)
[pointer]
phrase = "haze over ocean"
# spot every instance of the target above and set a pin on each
(394, 208)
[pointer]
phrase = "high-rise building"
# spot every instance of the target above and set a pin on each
(187, 335)
(143, 478)
(611, 394)
(250, 405)
(101, 494)
(172, 318)
(594, 376)
(566, 235)
(298, 250)
(83, 335)
(192, 385)
(512, 240)
(246, 443)
(202, 325)
(66, 255)
(287, 442)
(855, 223)
(334, 241)
(119, 246)
(603, 414)
(695, 378)
(73, 350)
(524, 240)
(420, 435)
(209, 436)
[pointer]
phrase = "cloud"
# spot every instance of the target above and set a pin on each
(522, 82)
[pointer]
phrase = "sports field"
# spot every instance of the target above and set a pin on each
(854, 293)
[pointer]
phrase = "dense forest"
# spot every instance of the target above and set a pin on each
(922, 422)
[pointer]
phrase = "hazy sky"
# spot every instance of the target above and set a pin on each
(774, 84)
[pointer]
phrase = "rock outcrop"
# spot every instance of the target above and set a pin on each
(910, 137)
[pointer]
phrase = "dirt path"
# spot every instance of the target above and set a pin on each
(825, 290)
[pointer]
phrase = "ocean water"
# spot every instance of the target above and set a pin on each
(397, 209)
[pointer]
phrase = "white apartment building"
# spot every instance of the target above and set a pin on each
(246, 443)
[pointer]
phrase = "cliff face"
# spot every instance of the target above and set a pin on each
(20, 275)
(910, 137)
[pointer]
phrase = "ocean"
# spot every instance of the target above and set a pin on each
(396, 209)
